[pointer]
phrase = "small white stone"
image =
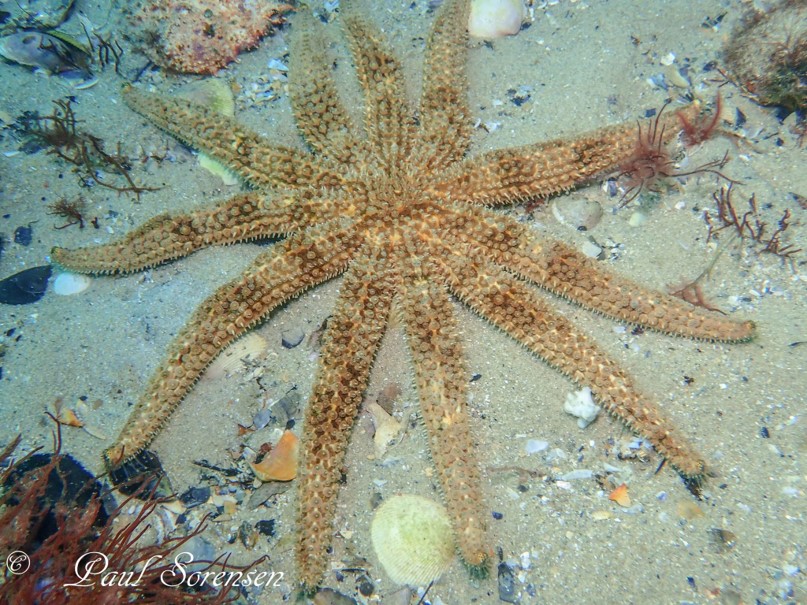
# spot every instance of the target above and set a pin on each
(667, 59)
(580, 404)
(591, 249)
(67, 284)
(536, 445)
(637, 219)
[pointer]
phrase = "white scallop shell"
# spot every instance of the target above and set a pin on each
(250, 347)
(413, 539)
(67, 284)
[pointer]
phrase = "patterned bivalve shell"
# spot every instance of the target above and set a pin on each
(413, 540)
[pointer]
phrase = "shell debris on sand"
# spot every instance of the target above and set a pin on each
(281, 463)
(201, 36)
(413, 540)
(252, 347)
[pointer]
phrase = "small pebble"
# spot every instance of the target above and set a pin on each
(497, 516)
(637, 219)
(366, 588)
(23, 235)
(534, 446)
(261, 419)
(195, 496)
(591, 249)
(292, 338)
(506, 583)
(577, 474)
(580, 404)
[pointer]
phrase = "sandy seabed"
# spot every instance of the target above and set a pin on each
(582, 65)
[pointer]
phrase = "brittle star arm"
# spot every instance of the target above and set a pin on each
(565, 272)
(539, 171)
(276, 276)
(256, 159)
(441, 375)
(351, 342)
(508, 303)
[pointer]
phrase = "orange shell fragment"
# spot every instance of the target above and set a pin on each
(281, 463)
(620, 495)
(68, 417)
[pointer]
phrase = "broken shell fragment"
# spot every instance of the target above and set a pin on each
(386, 429)
(620, 496)
(281, 463)
(413, 540)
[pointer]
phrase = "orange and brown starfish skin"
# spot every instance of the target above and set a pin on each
(403, 213)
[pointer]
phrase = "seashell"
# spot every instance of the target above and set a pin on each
(620, 496)
(67, 284)
(249, 348)
(214, 93)
(281, 463)
(688, 510)
(47, 53)
(68, 417)
(413, 539)
(27, 286)
(40, 14)
(578, 213)
(386, 429)
(491, 19)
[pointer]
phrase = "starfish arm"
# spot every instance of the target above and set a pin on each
(275, 277)
(352, 339)
(445, 130)
(250, 155)
(509, 304)
(441, 378)
(166, 237)
(320, 116)
(565, 272)
(538, 171)
(388, 120)
(568, 273)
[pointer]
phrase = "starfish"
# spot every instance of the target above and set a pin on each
(400, 209)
